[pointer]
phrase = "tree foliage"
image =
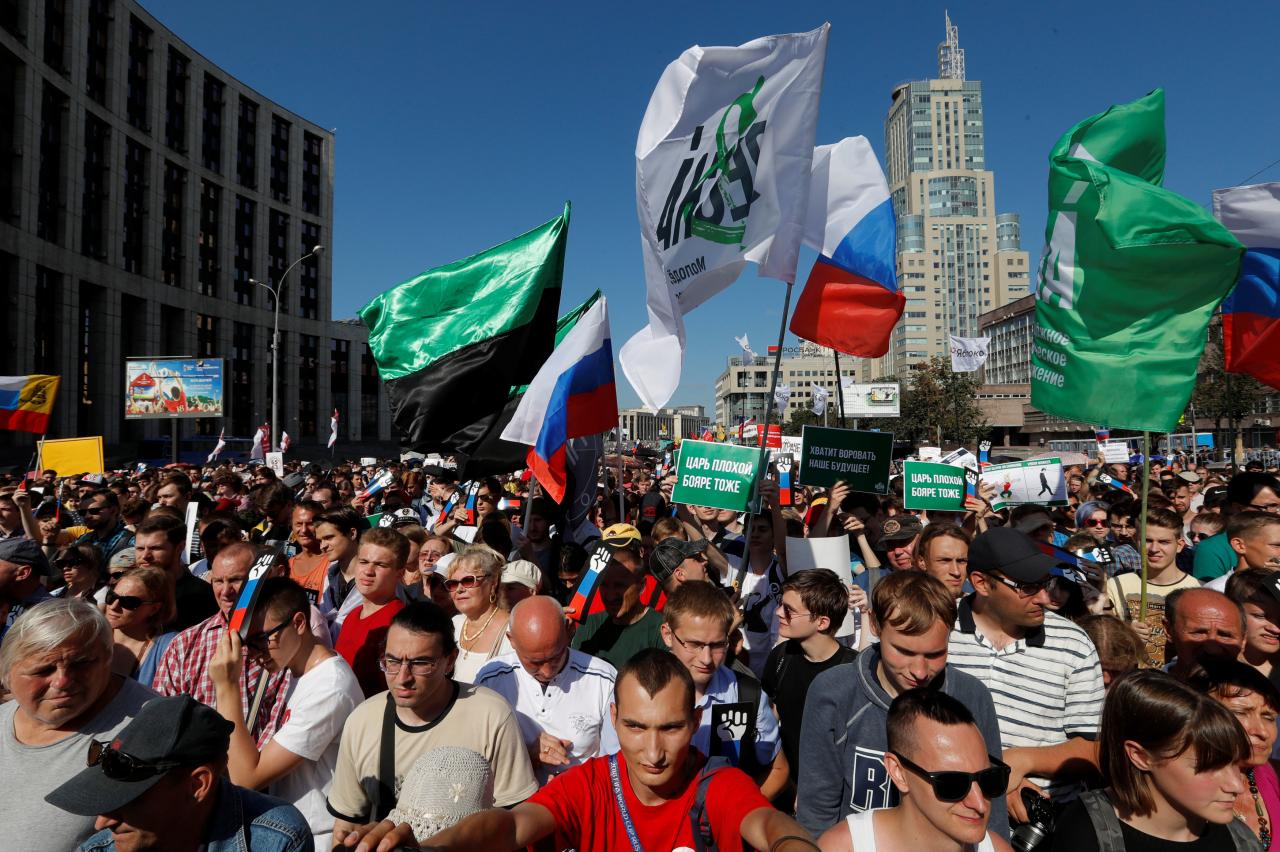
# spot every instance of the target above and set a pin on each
(938, 406)
(1223, 396)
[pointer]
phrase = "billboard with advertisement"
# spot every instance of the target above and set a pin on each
(878, 399)
(173, 387)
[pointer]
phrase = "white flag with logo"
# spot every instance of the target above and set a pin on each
(819, 400)
(781, 396)
(219, 447)
(722, 178)
(968, 354)
(746, 347)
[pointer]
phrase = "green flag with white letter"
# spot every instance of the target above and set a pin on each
(1130, 275)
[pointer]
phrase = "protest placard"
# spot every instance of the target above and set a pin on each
(1115, 452)
(72, 456)
(860, 458)
(275, 461)
(960, 458)
(927, 485)
(1037, 481)
(831, 553)
(717, 475)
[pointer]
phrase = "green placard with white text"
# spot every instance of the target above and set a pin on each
(717, 475)
(861, 459)
(932, 486)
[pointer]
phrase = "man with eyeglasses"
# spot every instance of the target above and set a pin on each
(1042, 670)
(100, 510)
(161, 784)
(737, 721)
(842, 737)
(297, 763)
(1250, 491)
(423, 708)
(946, 778)
(561, 696)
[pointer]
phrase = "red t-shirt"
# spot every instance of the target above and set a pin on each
(587, 818)
(361, 642)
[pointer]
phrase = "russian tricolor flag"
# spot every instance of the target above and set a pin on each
(1251, 311)
(851, 301)
(572, 396)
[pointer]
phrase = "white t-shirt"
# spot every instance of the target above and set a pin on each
(760, 596)
(862, 833)
(574, 706)
(315, 710)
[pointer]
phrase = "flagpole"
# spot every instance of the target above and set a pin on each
(764, 436)
(839, 389)
(622, 505)
(1142, 522)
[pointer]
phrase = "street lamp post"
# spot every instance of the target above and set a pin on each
(275, 341)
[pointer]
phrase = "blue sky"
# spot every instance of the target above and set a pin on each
(460, 125)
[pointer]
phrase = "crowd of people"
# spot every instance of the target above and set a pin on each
(428, 662)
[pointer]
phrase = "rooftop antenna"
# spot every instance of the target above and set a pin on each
(951, 54)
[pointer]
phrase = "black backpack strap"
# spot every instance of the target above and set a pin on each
(385, 798)
(703, 838)
(749, 694)
(1106, 825)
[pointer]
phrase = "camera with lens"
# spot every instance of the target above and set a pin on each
(1034, 833)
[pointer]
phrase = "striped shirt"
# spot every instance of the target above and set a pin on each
(1047, 686)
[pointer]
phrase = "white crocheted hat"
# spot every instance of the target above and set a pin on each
(443, 786)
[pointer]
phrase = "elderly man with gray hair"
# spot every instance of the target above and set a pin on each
(56, 664)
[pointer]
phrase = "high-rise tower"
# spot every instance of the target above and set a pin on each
(956, 256)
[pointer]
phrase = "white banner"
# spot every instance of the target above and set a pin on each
(968, 354)
(746, 347)
(722, 178)
(819, 399)
(781, 396)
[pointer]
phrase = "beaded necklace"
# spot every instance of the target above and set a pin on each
(1264, 830)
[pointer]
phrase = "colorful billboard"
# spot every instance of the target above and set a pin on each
(173, 387)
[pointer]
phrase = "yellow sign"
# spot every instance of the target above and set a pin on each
(72, 456)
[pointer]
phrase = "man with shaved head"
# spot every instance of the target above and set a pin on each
(560, 695)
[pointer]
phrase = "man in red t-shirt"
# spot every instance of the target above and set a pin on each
(379, 570)
(657, 776)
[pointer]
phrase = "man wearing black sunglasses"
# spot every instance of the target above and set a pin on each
(161, 784)
(100, 509)
(1042, 670)
(947, 781)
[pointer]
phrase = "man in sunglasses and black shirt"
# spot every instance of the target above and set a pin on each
(945, 775)
(1042, 670)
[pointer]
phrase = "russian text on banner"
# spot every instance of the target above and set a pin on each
(718, 475)
(722, 179)
(1251, 314)
(1130, 275)
(851, 300)
(860, 458)
(927, 485)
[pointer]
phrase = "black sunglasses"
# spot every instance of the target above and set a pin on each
(122, 766)
(954, 786)
(129, 602)
(258, 641)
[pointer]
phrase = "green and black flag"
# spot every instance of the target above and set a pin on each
(452, 342)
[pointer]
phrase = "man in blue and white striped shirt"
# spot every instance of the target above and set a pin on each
(1042, 670)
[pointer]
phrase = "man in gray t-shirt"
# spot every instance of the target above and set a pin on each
(56, 660)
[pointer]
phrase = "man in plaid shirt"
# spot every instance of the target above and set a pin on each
(184, 668)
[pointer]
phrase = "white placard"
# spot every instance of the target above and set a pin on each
(368, 461)
(929, 454)
(275, 461)
(1115, 452)
(960, 458)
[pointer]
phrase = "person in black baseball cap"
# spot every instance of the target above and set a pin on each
(675, 562)
(161, 784)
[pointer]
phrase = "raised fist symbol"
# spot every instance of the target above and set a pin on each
(733, 725)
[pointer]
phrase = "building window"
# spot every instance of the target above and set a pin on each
(308, 384)
(277, 262)
(54, 106)
(211, 132)
(368, 393)
(339, 377)
(242, 371)
(93, 201)
(280, 159)
(134, 221)
(244, 250)
(309, 273)
(95, 78)
(175, 185)
(55, 35)
(312, 158)
(206, 336)
(246, 145)
(139, 76)
(207, 238)
(175, 113)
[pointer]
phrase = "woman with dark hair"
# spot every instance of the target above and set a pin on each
(1255, 703)
(1170, 758)
(79, 566)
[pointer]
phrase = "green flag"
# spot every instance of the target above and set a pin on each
(1130, 275)
(452, 342)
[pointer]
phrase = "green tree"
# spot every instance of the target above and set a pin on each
(802, 417)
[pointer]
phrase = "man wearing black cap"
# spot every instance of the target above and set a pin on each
(161, 784)
(675, 562)
(22, 568)
(1042, 670)
(898, 536)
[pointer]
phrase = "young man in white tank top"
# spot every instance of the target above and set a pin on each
(939, 762)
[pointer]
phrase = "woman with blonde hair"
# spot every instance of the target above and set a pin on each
(138, 607)
(481, 623)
